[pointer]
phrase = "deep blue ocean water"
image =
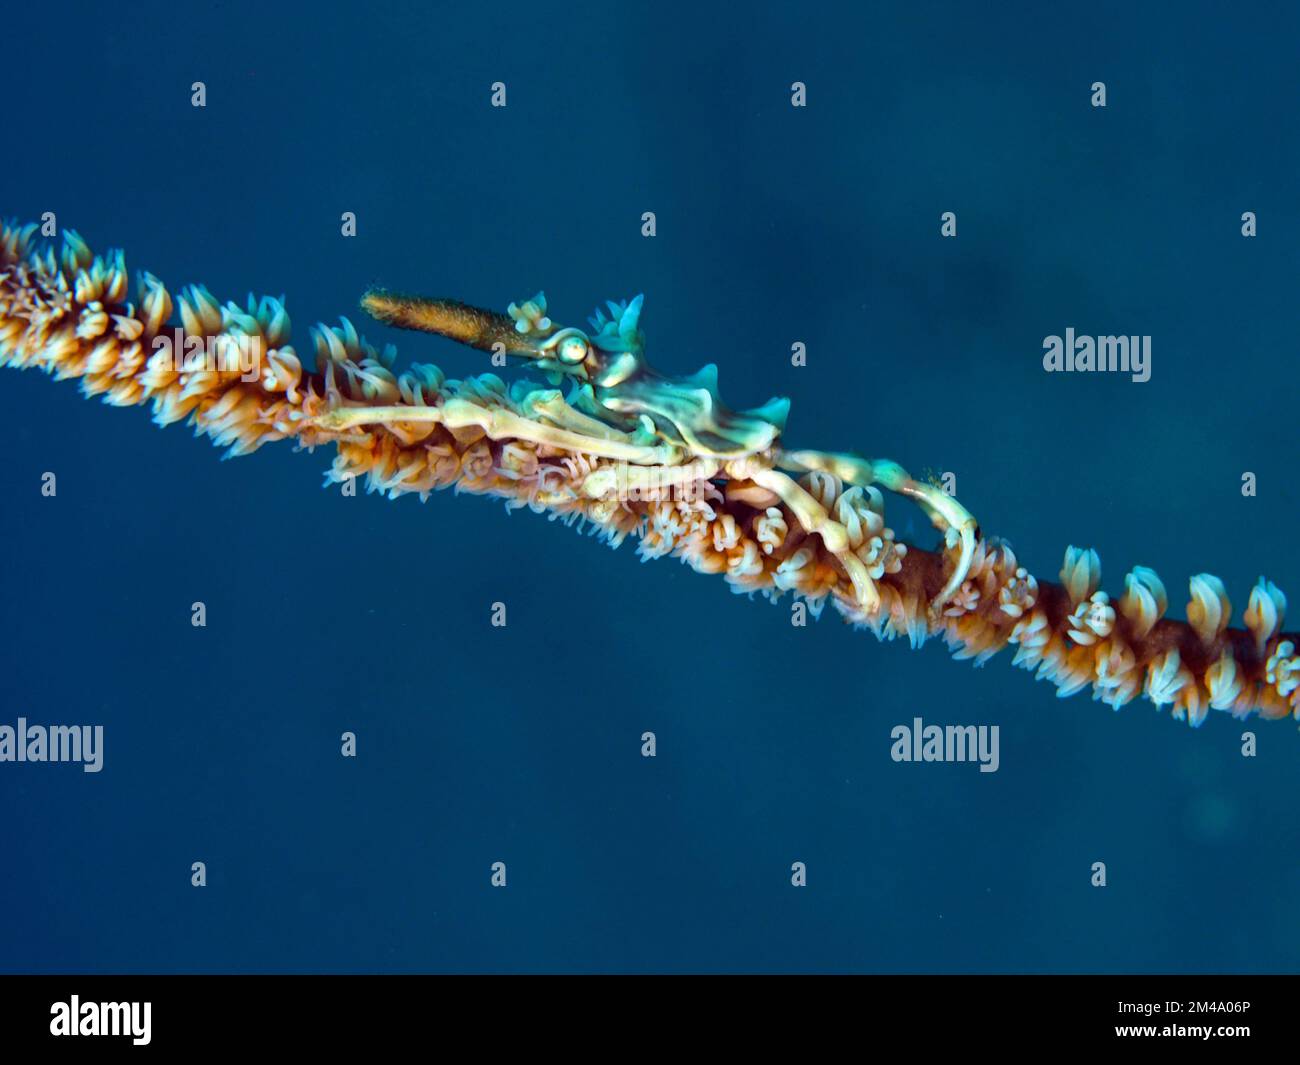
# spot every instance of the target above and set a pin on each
(774, 224)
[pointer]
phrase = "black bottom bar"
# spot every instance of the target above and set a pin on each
(339, 1013)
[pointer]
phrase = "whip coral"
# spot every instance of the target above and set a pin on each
(628, 452)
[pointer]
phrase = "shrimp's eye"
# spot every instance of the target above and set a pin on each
(572, 349)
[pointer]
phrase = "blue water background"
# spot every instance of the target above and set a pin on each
(522, 744)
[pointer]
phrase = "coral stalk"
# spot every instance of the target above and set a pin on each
(624, 455)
